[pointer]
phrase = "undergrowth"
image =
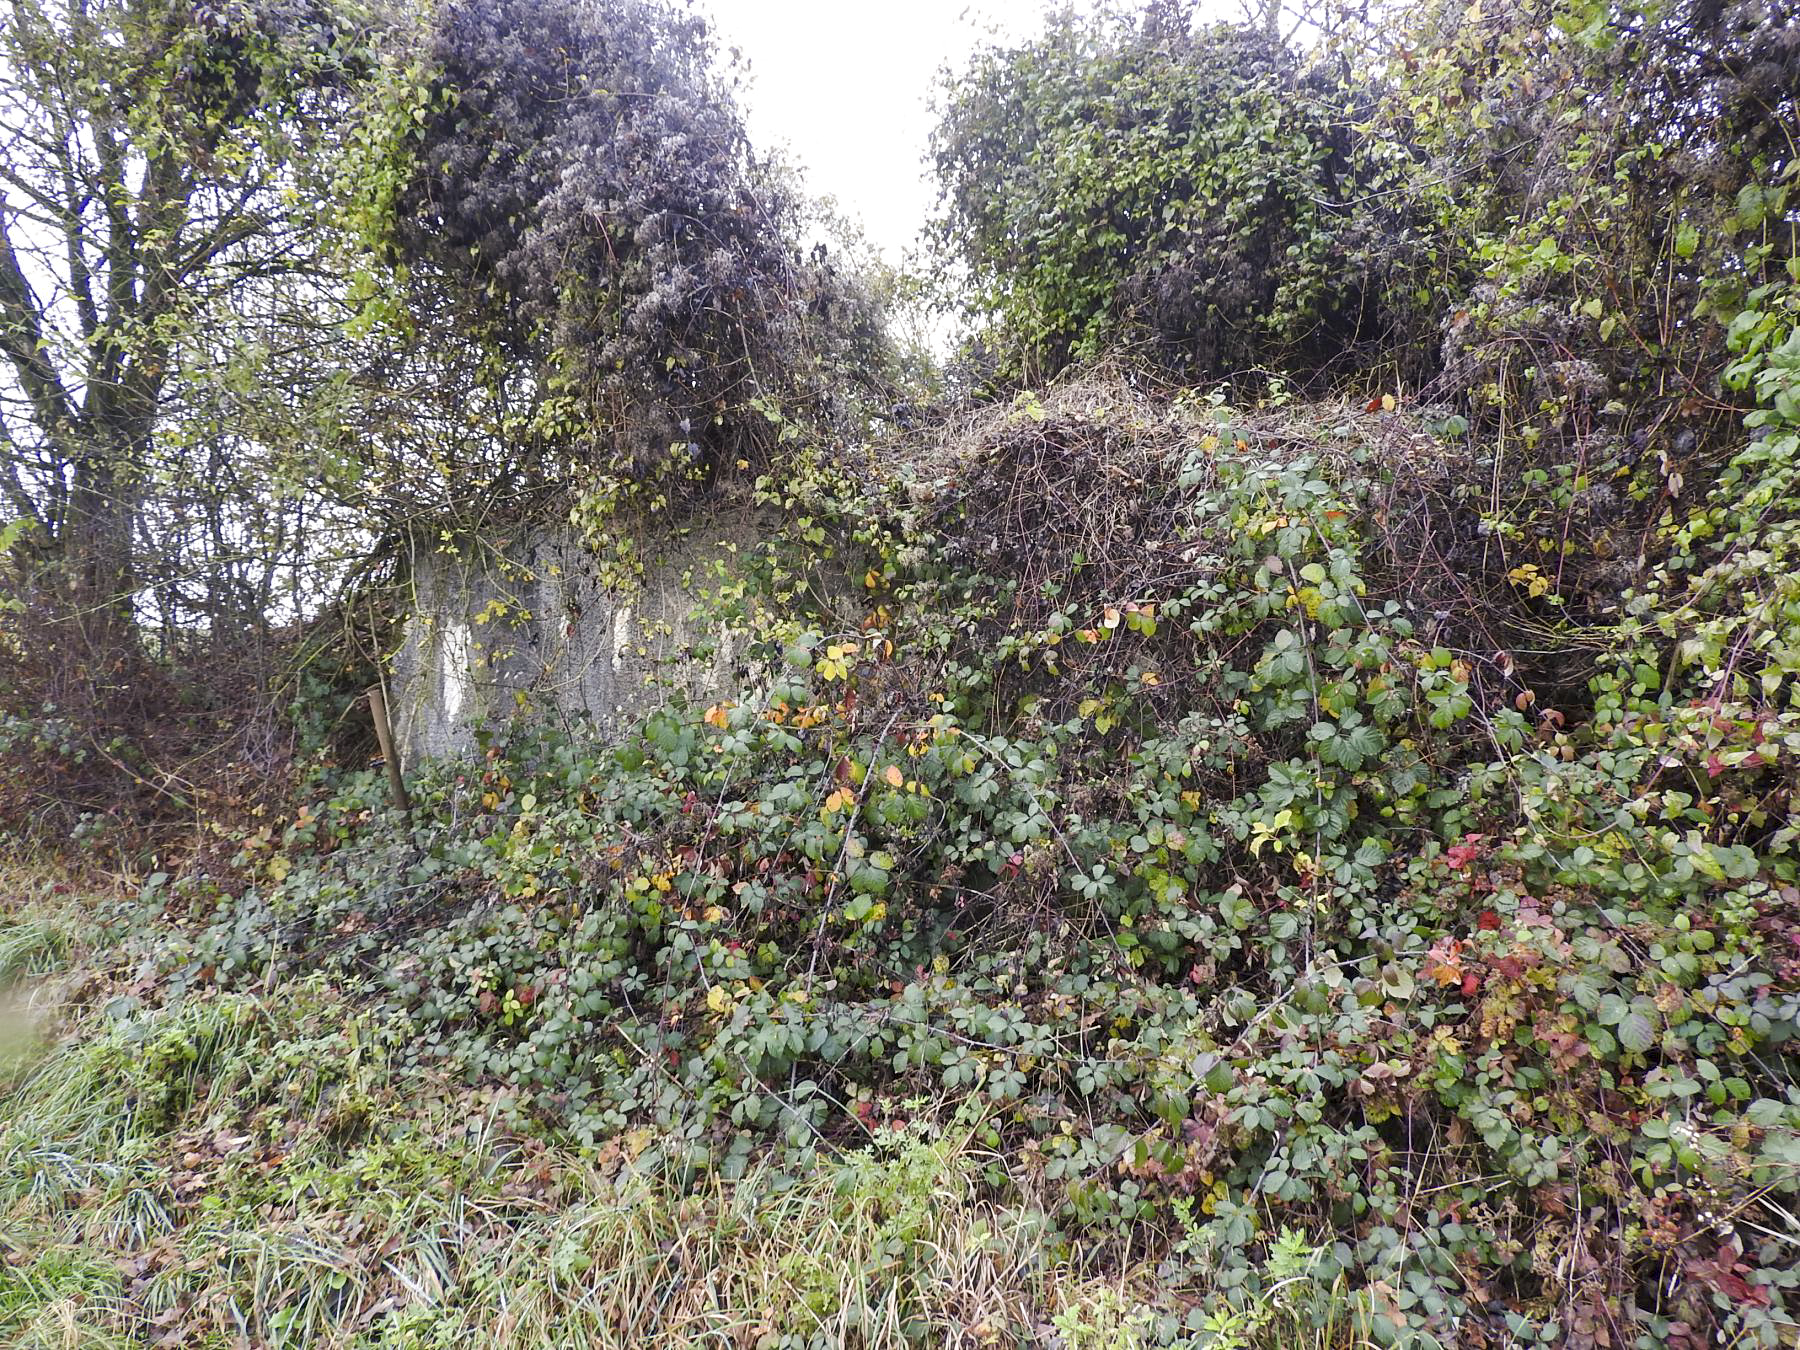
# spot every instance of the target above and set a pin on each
(1167, 872)
(1133, 919)
(255, 1169)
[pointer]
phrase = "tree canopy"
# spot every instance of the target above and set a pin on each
(157, 273)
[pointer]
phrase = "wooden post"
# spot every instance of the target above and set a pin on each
(384, 735)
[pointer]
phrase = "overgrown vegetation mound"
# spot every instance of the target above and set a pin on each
(1133, 825)
(1227, 871)
(1199, 192)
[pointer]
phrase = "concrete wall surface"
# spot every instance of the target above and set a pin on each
(527, 624)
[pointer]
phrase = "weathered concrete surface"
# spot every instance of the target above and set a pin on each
(523, 624)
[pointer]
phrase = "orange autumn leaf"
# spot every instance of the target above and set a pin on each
(1443, 963)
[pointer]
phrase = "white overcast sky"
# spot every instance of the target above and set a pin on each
(845, 86)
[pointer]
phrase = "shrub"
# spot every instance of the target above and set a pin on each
(1200, 193)
(1618, 177)
(572, 179)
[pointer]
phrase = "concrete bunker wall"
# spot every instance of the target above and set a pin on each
(527, 624)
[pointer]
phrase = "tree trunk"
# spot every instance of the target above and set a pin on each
(97, 537)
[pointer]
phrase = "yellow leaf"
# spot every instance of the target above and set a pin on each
(1211, 1201)
(1389, 403)
(894, 777)
(1531, 578)
(279, 867)
(713, 914)
(717, 999)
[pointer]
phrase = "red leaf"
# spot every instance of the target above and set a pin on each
(1725, 1273)
(1461, 855)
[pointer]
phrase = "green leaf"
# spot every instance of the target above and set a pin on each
(1765, 1112)
(1636, 1034)
(1397, 981)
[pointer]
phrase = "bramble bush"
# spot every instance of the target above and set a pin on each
(1310, 873)
(1175, 846)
